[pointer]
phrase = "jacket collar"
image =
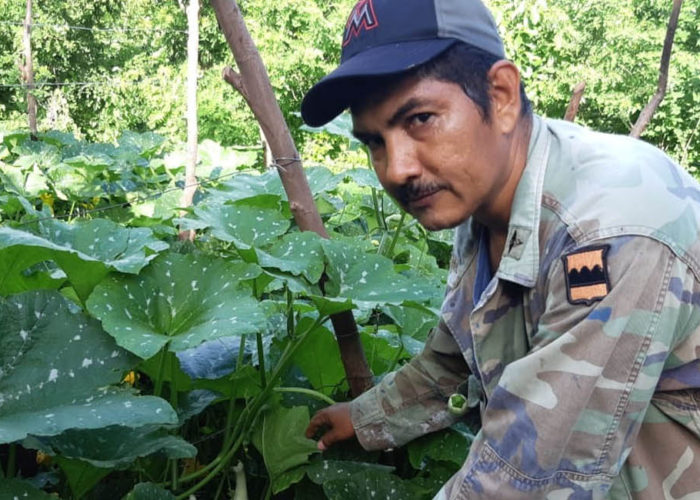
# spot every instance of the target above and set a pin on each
(521, 256)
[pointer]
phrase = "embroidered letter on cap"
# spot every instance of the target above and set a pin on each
(361, 17)
(587, 275)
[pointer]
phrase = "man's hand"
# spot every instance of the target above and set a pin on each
(336, 422)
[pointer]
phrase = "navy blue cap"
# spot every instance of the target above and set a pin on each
(387, 37)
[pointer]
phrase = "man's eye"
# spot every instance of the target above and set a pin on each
(421, 118)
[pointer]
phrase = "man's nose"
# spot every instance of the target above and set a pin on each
(402, 163)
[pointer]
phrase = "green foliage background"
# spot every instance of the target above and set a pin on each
(612, 45)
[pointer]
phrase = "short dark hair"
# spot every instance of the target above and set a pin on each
(462, 64)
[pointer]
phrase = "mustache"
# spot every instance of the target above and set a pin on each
(415, 190)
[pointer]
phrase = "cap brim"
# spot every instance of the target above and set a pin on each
(330, 96)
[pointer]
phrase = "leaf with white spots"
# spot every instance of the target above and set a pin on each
(449, 445)
(56, 369)
(363, 177)
(85, 251)
(149, 491)
(328, 470)
(369, 279)
(179, 300)
(116, 446)
(322, 180)
(369, 484)
(296, 253)
(12, 489)
(243, 186)
(241, 224)
(246, 186)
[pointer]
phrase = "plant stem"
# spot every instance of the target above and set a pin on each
(249, 416)
(377, 212)
(261, 360)
(173, 386)
(308, 392)
(70, 214)
(12, 460)
(290, 312)
(173, 463)
(158, 389)
(397, 233)
(241, 353)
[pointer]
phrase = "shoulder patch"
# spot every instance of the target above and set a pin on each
(587, 275)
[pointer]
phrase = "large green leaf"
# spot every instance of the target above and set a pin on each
(12, 489)
(322, 180)
(56, 369)
(383, 349)
(81, 476)
(85, 251)
(322, 471)
(243, 225)
(246, 185)
(116, 445)
(369, 279)
(75, 184)
(24, 182)
(146, 144)
(364, 177)
(449, 445)
(148, 491)
(368, 484)
(413, 322)
(179, 300)
(319, 360)
(280, 439)
(296, 253)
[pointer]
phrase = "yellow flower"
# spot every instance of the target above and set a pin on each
(47, 199)
(130, 378)
(42, 458)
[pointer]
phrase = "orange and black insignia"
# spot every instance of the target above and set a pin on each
(587, 275)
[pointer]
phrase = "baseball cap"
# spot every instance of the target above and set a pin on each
(387, 37)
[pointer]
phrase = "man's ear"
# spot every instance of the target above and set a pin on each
(505, 95)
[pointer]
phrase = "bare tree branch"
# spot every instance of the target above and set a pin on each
(576, 96)
(649, 110)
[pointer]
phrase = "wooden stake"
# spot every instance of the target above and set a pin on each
(254, 85)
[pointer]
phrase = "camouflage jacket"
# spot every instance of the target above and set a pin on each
(585, 344)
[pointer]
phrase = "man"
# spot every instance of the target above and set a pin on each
(571, 314)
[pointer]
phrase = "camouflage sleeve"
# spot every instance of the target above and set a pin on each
(561, 421)
(411, 401)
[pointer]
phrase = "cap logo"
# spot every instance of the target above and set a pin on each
(587, 275)
(361, 18)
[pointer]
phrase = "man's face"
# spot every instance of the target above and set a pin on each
(433, 152)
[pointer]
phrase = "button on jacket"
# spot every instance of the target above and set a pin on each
(584, 345)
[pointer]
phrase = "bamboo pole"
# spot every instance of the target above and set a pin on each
(27, 71)
(192, 132)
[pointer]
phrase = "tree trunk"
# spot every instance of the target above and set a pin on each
(27, 70)
(254, 85)
(649, 110)
(192, 69)
(576, 96)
